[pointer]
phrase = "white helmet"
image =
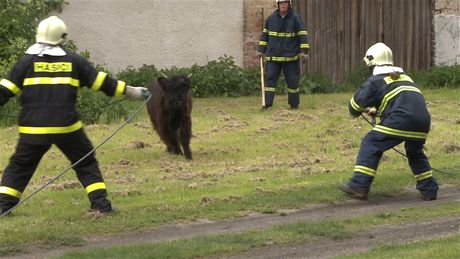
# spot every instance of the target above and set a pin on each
(52, 30)
(279, 1)
(378, 54)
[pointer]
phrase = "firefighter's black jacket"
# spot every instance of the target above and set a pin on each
(283, 38)
(48, 87)
(400, 105)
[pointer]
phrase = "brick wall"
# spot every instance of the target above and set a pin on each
(253, 25)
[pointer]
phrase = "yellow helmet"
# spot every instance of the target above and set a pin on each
(279, 1)
(52, 30)
(378, 54)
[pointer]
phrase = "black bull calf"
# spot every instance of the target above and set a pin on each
(170, 112)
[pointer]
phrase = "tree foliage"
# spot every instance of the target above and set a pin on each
(18, 20)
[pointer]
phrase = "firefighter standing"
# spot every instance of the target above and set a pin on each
(403, 118)
(284, 39)
(47, 79)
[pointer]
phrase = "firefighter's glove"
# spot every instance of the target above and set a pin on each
(137, 93)
(303, 56)
(371, 111)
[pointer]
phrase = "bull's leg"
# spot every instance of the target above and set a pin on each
(172, 141)
(185, 136)
(175, 144)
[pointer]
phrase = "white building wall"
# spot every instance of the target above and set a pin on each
(165, 33)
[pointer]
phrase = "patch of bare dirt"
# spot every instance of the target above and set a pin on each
(66, 185)
(451, 148)
(138, 145)
(316, 248)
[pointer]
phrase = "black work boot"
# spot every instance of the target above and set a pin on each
(266, 107)
(355, 192)
(428, 189)
(99, 201)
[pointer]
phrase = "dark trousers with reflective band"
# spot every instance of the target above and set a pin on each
(372, 147)
(27, 156)
(291, 71)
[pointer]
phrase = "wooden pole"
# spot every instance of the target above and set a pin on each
(262, 80)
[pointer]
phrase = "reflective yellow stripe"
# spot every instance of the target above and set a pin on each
(10, 86)
(94, 187)
(355, 106)
(424, 175)
(120, 89)
(284, 34)
(401, 133)
(402, 78)
(293, 91)
(365, 170)
(51, 130)
(100, 78)
(10, 191)
(302, 33)
(269, 89)
(262, 43)
(394, 93)
(305, 46)
(51, 81)
(265, 30)
(281, 59)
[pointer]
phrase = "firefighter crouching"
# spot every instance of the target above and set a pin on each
(403, 118)
(47, 79)
(284, 39)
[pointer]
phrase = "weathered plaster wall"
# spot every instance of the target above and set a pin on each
(121, 33)
(447, 32)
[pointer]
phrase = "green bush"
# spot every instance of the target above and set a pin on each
(356, 77)
(9, 113)
(223, 77)
(18, 20)
(220, 77)
(139, 77)
(438, 76)
(99, 108)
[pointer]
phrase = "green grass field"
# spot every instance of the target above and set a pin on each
(245, 161)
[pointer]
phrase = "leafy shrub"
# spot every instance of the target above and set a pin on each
(355, 78)
(18, 20)
(438, 76)
(317, 83)
(220, 77)
(9, 113)
(139, 77)
(99, 108)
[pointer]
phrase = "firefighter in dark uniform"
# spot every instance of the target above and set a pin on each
(47, 79)
(284, 40)
(393, 97)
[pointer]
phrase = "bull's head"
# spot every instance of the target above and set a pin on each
(175, 89)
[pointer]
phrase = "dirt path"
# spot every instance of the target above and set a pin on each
(310, 213)
(365, 241)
